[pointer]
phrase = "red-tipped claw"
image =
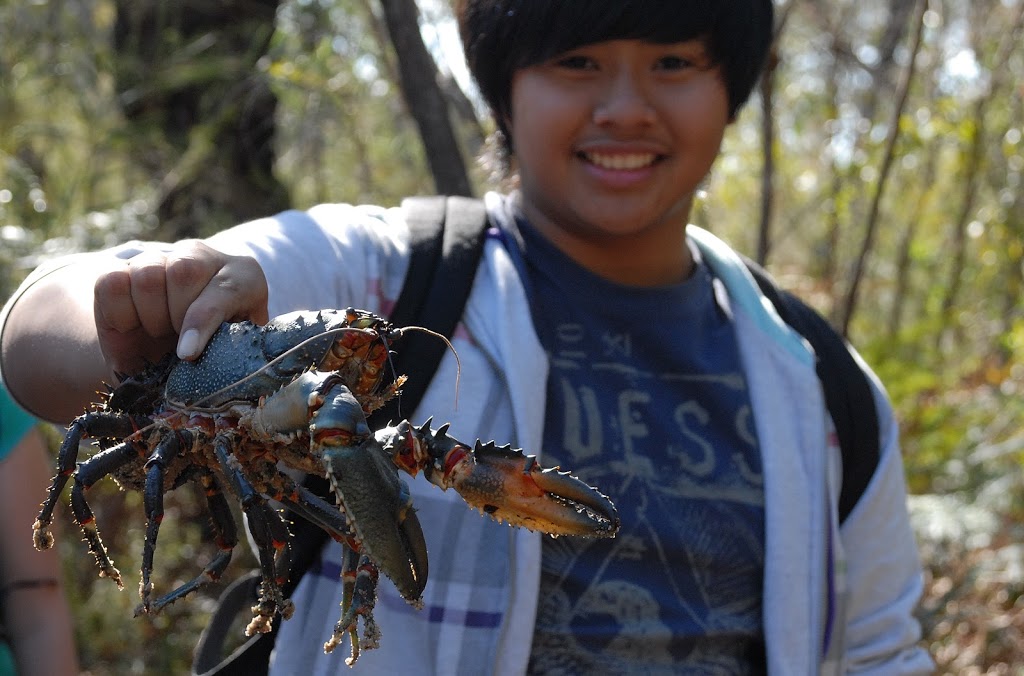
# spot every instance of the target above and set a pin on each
(505, 483)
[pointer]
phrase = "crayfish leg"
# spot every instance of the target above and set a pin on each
(93, 424)
(89, 472)
(167, 447)
(359, 582)
(269, 532)
(226, 537)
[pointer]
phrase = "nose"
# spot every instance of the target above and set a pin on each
(624, 103)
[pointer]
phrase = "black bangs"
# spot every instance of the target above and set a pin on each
(548, 28)
(500, 37)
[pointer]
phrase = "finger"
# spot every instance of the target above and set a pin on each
(113, 306)
(190, 267)
(149, 292)
(122, 340)
(237, 292)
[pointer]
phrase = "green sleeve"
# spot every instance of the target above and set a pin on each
(15, 422)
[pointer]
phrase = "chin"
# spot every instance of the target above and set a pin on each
(633, 224)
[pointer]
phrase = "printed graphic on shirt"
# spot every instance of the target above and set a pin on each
(646, 399)
(676, 451)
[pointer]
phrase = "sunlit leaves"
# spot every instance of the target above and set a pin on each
(73, 176)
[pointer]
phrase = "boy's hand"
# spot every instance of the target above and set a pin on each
(160, 301)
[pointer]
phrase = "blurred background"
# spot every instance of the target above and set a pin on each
(877, 171)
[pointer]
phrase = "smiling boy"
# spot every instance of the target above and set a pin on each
(602, 333)
(612, 140)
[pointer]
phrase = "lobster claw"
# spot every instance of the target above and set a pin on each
(508, 485)
(378, 506)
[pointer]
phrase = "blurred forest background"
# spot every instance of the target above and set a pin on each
(877, 171)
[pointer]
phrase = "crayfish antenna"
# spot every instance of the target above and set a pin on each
(458, 362)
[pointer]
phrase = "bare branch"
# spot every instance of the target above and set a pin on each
(887, 160)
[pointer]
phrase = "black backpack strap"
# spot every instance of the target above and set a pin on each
(848, 393)
(446, 238)
(450, 232)
(250, 658)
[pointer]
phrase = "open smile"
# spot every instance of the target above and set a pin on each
(620, 161)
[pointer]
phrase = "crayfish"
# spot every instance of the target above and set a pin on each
(295, 394)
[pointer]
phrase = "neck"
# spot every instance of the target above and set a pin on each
(653, 256)
(634, 260)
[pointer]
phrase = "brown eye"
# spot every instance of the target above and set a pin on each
(576, 62)
(673, 63)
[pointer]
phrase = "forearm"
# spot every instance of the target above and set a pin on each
(883, 572)
(68, 331)
(36, 611)
(41, 632)
(49, 353)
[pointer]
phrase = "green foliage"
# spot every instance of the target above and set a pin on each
(945, 332)
(345, 133)
(61, 153)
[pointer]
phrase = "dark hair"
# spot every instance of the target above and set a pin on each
(500, 37)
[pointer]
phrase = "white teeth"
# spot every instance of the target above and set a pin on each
(621, 161)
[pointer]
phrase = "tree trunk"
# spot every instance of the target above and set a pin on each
(764, 239)
(830, 262)
(904, 261)
(427, 104)
(199, 112)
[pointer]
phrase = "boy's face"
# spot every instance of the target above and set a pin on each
(614, 138)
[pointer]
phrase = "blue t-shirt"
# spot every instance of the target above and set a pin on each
(15, 422)
(646, 399)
